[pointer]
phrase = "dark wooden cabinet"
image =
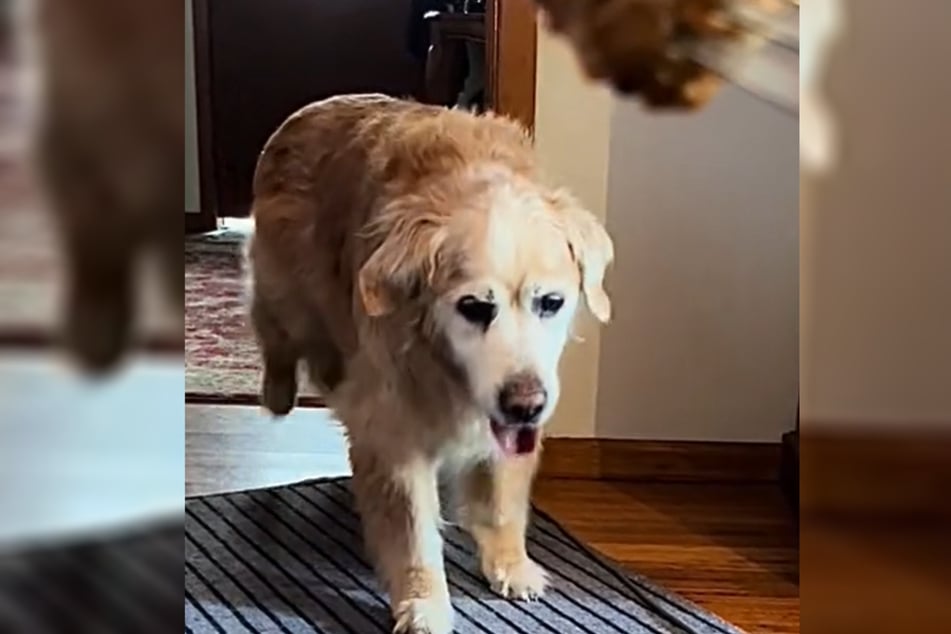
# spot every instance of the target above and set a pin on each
(266, 58)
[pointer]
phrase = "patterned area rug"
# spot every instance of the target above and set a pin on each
(221, 356)
(289, 559)
(30, 266)
(222, 361)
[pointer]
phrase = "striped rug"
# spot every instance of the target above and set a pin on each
(289, 559)
(127, 580)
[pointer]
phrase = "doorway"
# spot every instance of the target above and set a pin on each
(255, 63)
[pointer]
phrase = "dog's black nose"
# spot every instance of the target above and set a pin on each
(522, 399)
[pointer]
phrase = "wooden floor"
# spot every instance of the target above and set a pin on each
(731, 548)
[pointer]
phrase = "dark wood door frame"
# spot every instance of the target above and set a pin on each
(510, 64)
(511, 52)
(207, 218)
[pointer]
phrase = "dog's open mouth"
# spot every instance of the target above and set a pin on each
(515, 440)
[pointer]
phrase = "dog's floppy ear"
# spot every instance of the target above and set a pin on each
(592, 249)
(403, 262)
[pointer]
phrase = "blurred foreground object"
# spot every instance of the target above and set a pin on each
(110, 147)
(875, 318)
(126, 582)
(675, 54)
(91, 481)
(874, 521)
(91, 508)
(821, 27)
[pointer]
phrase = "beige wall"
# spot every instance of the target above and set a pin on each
(572, 131)
(192, 199)
(876, 233)
(704, 213)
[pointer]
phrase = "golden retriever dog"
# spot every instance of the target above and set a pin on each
(414, 258)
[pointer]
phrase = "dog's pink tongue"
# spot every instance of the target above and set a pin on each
(515, 441)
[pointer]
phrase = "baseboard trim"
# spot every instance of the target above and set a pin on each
(201, 398)
(661, 461)
(47, 339)
(875, 471)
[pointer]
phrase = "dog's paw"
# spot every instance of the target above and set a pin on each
(432, 615)
(520, 579)
(278, 395)
(97, 330)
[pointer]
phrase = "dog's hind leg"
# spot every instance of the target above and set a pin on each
(280, 356)
(399, 508)
(325, 363)
(495, 498)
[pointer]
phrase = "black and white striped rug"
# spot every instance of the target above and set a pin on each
(289, 559)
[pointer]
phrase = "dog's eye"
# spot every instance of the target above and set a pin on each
(548, 305)
(477, 311)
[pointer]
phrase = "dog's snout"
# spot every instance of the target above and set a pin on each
(522, 399)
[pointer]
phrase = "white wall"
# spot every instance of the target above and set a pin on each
(703, 209)
(192, 198)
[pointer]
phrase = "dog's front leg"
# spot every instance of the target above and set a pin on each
(399, 507)
(495, 510)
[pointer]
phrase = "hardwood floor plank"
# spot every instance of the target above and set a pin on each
(229, 448)
(731, 548)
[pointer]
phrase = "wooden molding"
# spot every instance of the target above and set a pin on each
(511, 52)
(875, 471)
(208, 187)
(661, 461)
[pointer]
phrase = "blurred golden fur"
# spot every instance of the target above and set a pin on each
(111, 141)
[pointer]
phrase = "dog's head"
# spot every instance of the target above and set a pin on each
(499, 274)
